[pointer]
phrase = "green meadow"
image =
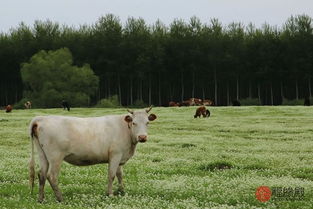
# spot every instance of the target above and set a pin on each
(215, 162)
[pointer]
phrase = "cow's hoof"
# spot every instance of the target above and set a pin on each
(60, 199)
(109, 195)
(120, 192)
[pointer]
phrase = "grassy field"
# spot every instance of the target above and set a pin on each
(215, 162)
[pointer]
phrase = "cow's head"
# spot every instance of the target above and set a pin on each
(138, 123)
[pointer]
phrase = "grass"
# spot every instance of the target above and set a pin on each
(215, 162)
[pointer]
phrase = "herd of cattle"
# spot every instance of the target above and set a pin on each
(200, 111)
(191, 102)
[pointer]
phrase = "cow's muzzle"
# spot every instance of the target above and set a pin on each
(142, 138)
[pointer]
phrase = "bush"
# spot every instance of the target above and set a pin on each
(250, 102)
(293, 102)
(109, 102)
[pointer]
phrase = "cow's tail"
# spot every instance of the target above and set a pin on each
(33, 134)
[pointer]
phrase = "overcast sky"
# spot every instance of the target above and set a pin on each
(79, 12)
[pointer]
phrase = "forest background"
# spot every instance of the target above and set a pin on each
(137, 63)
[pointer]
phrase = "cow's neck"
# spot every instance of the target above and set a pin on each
(133, 144)
(133, 138)
(134, 141)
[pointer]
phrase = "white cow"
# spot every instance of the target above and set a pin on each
(85, 141)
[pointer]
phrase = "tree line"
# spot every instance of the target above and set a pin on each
(155, 64)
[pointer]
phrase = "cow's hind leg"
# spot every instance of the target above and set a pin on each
(42, 174)
(119, 174)
(53, 172)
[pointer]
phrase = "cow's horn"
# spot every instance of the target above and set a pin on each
(148, 110)
(131, 112)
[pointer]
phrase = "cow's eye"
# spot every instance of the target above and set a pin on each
(134, 124)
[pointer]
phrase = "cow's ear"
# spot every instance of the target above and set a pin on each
(152, 117)
(128, 119)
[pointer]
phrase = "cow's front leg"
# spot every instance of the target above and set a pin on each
(113, 166)
(119, 174)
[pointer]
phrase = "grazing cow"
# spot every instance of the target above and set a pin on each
(202, 111)
(85, 141)
(65, 105)
(28, 105)
(8, 108)
(307, 102)
(236, 103)
(208, 102)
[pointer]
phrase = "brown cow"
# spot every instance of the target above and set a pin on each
(202, 111)
(8, 108)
